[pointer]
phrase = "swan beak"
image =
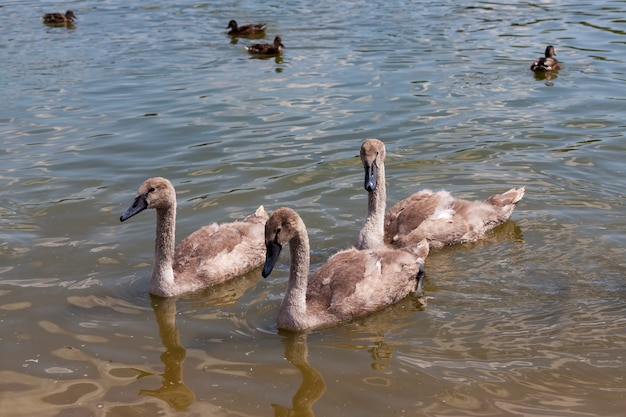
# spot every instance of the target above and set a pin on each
(271, 256)
(370, 177)
(139, 205)
(420, 279)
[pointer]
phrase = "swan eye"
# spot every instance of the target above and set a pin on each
(152, 189)
(278, 230)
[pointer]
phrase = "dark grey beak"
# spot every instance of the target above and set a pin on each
(370, 177)
(139, 205)
(271, 256)
(420, 279)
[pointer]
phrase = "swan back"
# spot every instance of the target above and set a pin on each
(445, 220)
(218, 252)
(352, 283)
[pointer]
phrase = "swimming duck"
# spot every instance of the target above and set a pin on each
(250, 29)
(59, 18)
(209, 256)
(547, 63)
(266, 48)
(436, 216)
(351, 284)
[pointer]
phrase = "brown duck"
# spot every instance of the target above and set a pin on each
(251, 29)
(546, 63)
(267, 49)
(59, 18)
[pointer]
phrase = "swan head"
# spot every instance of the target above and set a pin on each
(372, 154)
(154, 193)
(283, 225)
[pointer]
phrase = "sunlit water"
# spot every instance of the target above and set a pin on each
(529, 321)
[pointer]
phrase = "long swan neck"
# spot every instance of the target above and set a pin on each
(162, 281)
(372, 233)
(376, 200)
(293, 308)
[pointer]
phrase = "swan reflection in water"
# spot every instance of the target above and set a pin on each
(180, 397)
(312, 386)
(173, 390)
(365, 333)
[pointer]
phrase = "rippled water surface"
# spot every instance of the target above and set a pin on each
(529, 321)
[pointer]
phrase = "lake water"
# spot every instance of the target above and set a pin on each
(529, 321)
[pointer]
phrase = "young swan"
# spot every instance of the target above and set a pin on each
(209, 256)
(436, 216)
(352, 283)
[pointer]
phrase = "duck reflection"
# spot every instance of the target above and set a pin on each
(547, 76)
(278, 59)
(312, 387)
(173, 390)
